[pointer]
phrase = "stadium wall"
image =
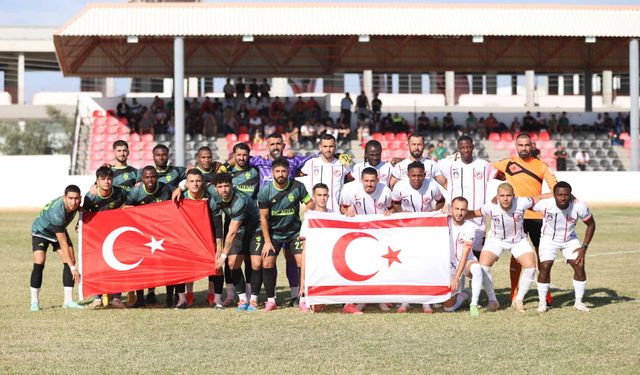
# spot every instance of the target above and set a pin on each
(35, 180)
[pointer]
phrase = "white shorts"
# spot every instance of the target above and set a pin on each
(517, 249)
(454, 268)
(549, 248)
(478, 239)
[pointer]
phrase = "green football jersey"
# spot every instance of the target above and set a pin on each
(172, 176)
(240, 208)
(284, 208)
(52, 219)
(246, 180)
(125, 177)
(95, 203)
(139, 195)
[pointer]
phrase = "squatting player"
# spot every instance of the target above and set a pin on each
(50, 228)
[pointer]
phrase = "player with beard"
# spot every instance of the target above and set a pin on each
(150, 191)
(560, 215)
(124, 175)
(373, 158)
(279, 204)
(416, 149)
(50, 228)
(526, 174)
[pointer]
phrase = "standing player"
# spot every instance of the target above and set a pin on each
(279, 204)
(329, 170)
(463, 262)
(167, 174)
(150, 191)
(205, 163)
(416, 149)
(124, 175)
(242, 213)
(50, 228)
(370, 197)
(506, 234)
(416, 194)
(373, 158)
(107, 197)
(526, 174)
(560, 215)
(468, 177)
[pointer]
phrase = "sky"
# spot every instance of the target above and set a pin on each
(56, 12)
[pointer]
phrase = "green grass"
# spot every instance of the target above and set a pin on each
(201, 340)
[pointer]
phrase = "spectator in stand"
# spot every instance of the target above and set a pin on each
(243, 115)
(157, 105)
(308, 133)
(252, 103)
(319, 126)
(257, 137)
(362, 105)
(299, 109)
(471, 124)
(447, 123)
(147, 122)
(253, 89)
(541, 121)
(561, 157)
(424, 124)
(230, 122)
(344, 133)
(608, 123)
(440, 152)
(264, 106)
(582, 159)
(619, 123)
(482, 128)
(207, 104)
(209, 123)
(313, 108)
(492, 124)
(364, 127)
(553, 124)
(265, 89)
(386, 124)
(436, 124)
(431, 149)
(240, 88)
(193, 117)
(269, 126)
(228, 90)
(563, 124)
(399, 124)
(288, 108)
(345, 108)
(515, 126)
(123, 110)
(294, 134)
(528, 122)
(535, 151)
(136, 115)
(330, 127)
(616, 141)
(598, 125)
(376, 105)
(255, 123)
(160, 124)
(276, 111)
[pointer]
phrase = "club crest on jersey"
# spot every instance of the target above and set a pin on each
(427, 174)
(427, 200)
(126, 175)
(316, 171)
(291, 197)
(496, 220)
(383, 177)
(405, 201)
(379, 205)
(549, 217)
(479, 175)
(571, 220)
(517, 217)
(247, 174)
(455, 174)
(358, 204)
(168, 177)
(337, 173)
(515, 168)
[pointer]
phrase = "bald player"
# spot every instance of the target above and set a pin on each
(526, 174)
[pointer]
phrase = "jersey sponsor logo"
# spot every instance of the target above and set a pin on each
(479, 175)
(455, 173)
(285, 212)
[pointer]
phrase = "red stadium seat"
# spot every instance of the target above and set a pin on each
(100, 121)
(111, 112)
(123, 120)
(96, 156)
(230, 146)
(134, 137)
(112, 121)
(259, 146)
(494, 137)
(377, 136)
(110, 138)
(149, 146)
(123, 129)
(544, 136)
(107, 147)
(136, 146)
(499, 145)
(97, 138)
(138, 155)
(107, 155)
(392, 146)
(403, 146)
(231, 138)
(387, 155)
(97, 146)
(147, 138)
(98, 113)
(399, 154)
(244, 137)
(402, 137)
(389, 136)
(243, 129)
(506, 136)
(625, 137)
(534, 137)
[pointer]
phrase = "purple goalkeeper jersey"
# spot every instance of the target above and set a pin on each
(264, 167)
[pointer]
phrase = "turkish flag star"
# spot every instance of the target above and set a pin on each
(155, 244)
(392, 256)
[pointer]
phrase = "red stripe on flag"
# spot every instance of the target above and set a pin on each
(372, 290)
(380, 224)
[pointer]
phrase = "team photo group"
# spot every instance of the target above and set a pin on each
(257, 204)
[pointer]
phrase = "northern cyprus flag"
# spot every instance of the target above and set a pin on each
(374, 258)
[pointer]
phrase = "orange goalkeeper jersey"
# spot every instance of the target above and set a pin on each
(526, 177)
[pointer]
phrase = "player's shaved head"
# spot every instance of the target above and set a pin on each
(524, 146)
(505, 186)
(373, 152)
(459, 208)
(505, 195)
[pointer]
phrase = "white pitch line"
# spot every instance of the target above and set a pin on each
(613, 253)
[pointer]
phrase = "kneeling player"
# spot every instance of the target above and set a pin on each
(561, 213)
(506, 234)
(463, 262)
(279, 203)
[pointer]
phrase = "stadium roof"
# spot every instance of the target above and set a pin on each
(316, 39)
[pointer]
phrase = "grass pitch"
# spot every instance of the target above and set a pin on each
(202, 340)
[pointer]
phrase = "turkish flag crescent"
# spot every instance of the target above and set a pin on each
(374, 258)
(145, 246)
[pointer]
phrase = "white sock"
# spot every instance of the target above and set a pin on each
(456, 306)
(271, 299)
(526, 278)
(254, 297)
(230, 291)
(294, 291)
(242, 297)
(476, 282)
(405, 305)
(35, 295)
(360, 306)
(182, 298)
(543, 289)
(426, 306)
(97, 297)
(487, 282)
(579, 287)
(68, 294)
(217, 299)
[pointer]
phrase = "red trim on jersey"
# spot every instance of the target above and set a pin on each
(332, 190)
(544, 217)
(566, 227)
(371, 290)
(515, 230)
(492, 224)
(587, 218)
(473, 177)
(380, 224)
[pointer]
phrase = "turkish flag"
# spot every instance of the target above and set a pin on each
(374, 258)
(145, 246)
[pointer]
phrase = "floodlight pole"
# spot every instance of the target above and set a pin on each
(178, 99)
(634, 86)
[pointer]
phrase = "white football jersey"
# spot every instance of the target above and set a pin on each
(384, 171)
(560, 225)
(412, 200)
(332, 174)
(507, 225)
(468, 181)
(431, 169)
(458, 236)
(366, 204)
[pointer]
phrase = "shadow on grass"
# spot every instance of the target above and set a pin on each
(594, 298)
